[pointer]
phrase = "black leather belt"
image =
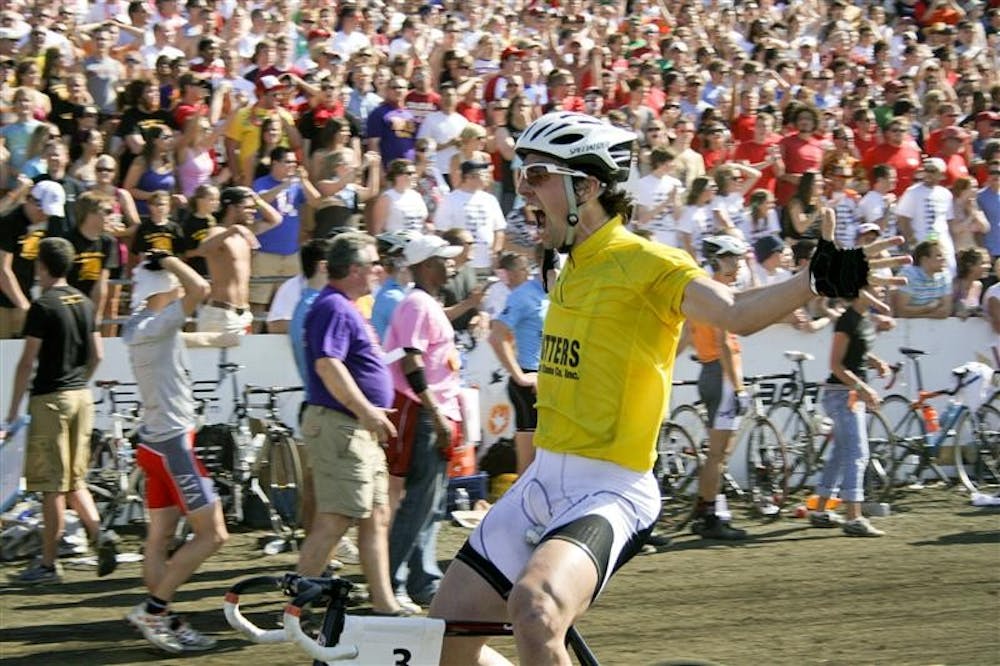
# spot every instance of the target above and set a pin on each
(228, 306)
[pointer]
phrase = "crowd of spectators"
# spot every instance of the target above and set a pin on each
(159, 124)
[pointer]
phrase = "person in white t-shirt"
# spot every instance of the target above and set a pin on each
(925, 211)
(400, 206)
(878, 205)
(734, 180)
(445, 127)
(349, 39)
(770, 254)
(761, 219)
(472, 208)
(698, 219)
(279, 316)
(659, 198)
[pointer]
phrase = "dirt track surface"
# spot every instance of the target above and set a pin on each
(928, 593)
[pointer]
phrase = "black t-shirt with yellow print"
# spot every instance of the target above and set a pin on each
(168, 237)
(93, 255)
(20, 239)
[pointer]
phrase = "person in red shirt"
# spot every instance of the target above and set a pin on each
(421, 100)
(192, 101)
(510, 65)
(865, 128)
(559, 82)
(953, 141)
(713, 145)
(800, 152)
(762, 152)
(745, 124)
(898, 153)
(947, 118)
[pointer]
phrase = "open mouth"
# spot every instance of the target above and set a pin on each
(537, 214)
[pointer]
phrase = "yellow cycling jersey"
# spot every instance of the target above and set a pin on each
(608, 347)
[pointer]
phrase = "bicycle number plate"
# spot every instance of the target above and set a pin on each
(395, 641)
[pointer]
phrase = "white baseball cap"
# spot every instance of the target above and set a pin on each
(869, 227)
(146, 283)
(51, 197)
(422, 248)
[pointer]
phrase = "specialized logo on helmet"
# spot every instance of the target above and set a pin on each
(588, 148)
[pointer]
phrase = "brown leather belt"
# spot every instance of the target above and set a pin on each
(228, 306)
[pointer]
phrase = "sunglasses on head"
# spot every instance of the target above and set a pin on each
(537, 174)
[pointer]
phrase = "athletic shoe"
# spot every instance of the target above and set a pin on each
(711, 527)
(658, 540)
(107, 553)
(155, 629)
(861, 527)
(347, 552)
(190, 638)
(825, 519)
(38, 574)
(406, 604)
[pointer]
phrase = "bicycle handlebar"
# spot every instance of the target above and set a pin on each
(309, 591)
(236, 619)
(893, 374)
(306, 591)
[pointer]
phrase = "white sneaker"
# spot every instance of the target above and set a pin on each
(861, 527)
(347, 552)
(155, 629)
(190, 638)
(407, 604)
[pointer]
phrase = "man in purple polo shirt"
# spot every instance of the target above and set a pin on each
(392, 128)
(345, 422)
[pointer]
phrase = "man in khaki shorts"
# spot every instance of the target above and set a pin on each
(345, 421)
(60, 334)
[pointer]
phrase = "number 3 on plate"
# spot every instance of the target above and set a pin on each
(402, 656)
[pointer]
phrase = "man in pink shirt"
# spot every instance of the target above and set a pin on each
(426, 383)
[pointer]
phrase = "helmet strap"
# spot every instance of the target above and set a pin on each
(572, 216)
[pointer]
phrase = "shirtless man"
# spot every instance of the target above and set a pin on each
(227, 250)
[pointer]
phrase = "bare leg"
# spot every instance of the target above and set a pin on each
(554, 589)
(720, 444)
(465, 595)
(852, 509)
(82, 502)
(373, 548)
(327, 528)
(54, 515)
(210, 533)
(159, 534)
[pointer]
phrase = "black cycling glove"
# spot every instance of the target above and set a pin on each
(836, 272)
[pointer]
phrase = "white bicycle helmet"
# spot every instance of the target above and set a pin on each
(583, 142)
(392, 243)
(717, 246)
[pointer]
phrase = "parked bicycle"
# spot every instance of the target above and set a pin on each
(113, 476)
(807, 432)
(363, 639)
(924, 440)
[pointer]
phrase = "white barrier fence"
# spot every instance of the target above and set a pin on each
(267, 360)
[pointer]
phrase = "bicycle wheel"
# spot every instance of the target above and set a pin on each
(977, 449)
(692, 420)
(878, 474)
(909, 436)
(894, 409)
(280, 476)
(676, 471)
(767, 464)
(799, 438)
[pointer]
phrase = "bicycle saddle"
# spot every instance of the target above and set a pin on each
(107, 383)
(911, 352)
(796, 356)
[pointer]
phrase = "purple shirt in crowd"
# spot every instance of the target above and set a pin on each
(334, 328)
(396, 129)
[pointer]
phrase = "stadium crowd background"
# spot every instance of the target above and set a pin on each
(754, 118)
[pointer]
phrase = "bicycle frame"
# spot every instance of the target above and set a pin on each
(335, 642)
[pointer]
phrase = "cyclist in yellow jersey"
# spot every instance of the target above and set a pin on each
(586, 504)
